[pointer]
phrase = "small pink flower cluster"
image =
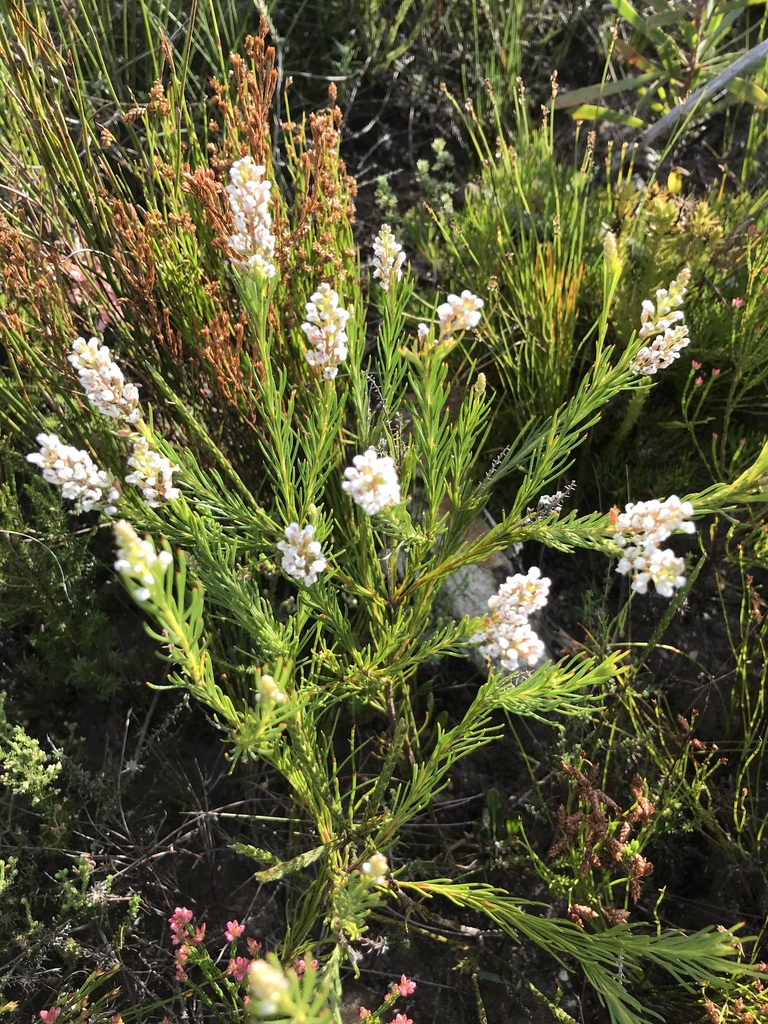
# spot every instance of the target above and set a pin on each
(184, 937)
(78, 1011)
(300, 965)
(240, 965)
(234, 931)
(639, 530)
(405, 987)
(507, 634)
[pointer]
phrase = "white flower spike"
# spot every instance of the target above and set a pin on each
(152, 474)
(103, 381)
(137, 559)
(663, 322)
(638, 532)
(459, 313)
(388, 258)
(324, 329)
(249, 198)
(80, 479)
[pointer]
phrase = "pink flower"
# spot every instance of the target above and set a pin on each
(178, 921)
(300, 965)
(695, 365)
(254, 947)
(238, 967)
(699, 381)
(401, 1019)
(737, 303)
(715, 373)
(199, 935)
(234, 931)
(406, 987)
(364, 1013)
(49, 1016)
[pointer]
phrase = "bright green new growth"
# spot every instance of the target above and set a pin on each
(27, 771)
(320, 682)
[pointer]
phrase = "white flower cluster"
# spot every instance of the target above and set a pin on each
(375, 869)
(302, 556)
(507, 634)
(388, 257)
(324, 329)
(137, 559)
(663, 322)
(103, 381)
(459, 313)
(269, 691)
(249, 198)
(267, 985)
(80, 479)
(152, 474)
(372, 482)
(639, 530)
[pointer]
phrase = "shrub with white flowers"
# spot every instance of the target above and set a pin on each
(459, 313)
(152, 474)
(267, 988)
(137, 559)
(375, 869)
(388, 258)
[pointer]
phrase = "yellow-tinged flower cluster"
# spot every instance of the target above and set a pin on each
(137, 559)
